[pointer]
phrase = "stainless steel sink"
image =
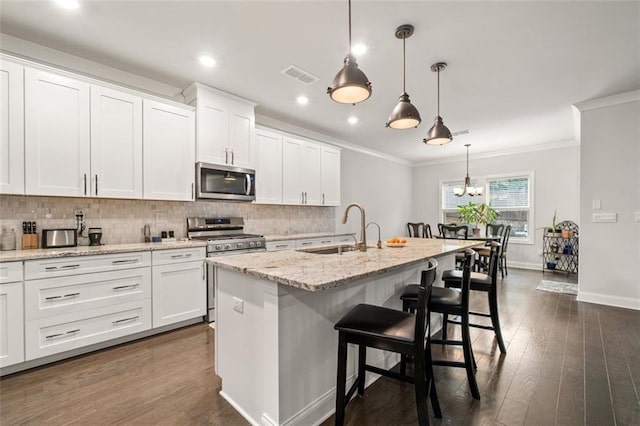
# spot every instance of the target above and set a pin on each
(328, 249)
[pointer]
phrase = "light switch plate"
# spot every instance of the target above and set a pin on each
(637, 216)
(238, 305)
(596, 204)
(605, 217)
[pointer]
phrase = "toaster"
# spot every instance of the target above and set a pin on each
(57, 238)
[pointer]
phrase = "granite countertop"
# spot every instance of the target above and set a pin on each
(286, 237)
(315, 272)
(18, 255)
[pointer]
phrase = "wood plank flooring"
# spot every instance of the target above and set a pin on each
(568, 363)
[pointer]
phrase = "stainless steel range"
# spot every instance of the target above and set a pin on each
(224, 236)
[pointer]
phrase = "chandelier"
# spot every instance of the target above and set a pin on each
(470, 190)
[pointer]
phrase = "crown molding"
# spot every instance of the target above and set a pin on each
(621, 98)
(501, 153)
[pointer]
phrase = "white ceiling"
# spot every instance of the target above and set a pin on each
(515, 68)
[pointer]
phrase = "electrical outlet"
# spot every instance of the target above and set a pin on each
(637, 216)
(78, 212)
(238, 305)
(159, 217)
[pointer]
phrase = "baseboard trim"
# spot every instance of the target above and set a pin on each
(239, 409)
(603, 299)
(524, 265)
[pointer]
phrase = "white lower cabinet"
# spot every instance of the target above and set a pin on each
(179, 287)
(11, 323)
(314, 242)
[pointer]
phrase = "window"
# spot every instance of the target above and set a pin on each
(511, 195)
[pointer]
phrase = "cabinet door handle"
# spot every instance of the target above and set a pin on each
(55, 268)
(122, 287)
(51, 336)
(85, 184)
(302, 198)
(62, 297)
(203, 269)
(124, 261)
(282, 246)
(96, 185)
(306, 244)
(232, 157)
(305, 197)
(192, 194)
(180, 256)
(120, 321)
(226, 156)
(326, 241)
(323, 198)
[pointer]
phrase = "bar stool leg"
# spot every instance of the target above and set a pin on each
(342, 379)
(435, 404)
(445, 322)
(495, 320)
(468, 357)
(421, 390)
(362, 359)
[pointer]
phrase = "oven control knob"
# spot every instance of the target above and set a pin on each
(240, 245)
(227, 247)
(258, 244)
(219, 247)
(252, 244)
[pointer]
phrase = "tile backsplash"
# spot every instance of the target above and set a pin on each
(122, 221)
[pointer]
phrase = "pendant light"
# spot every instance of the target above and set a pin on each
(404, 115)
(459, 192)
(350, 85)
(438, 134)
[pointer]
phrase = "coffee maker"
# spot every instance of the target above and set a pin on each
(95, 235)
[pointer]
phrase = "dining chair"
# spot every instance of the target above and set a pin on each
(459, 232)
(485, 252)
(395, 331)
(416, 230)
(494, 230)
(427, 231)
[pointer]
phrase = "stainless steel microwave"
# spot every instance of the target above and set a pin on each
(215, 182)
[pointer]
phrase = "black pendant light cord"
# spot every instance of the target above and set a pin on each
(349, 27)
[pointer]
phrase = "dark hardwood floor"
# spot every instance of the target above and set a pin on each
(568, 363)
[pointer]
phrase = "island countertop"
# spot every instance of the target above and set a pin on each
(315, 272)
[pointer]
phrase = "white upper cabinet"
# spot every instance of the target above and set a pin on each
(168, 142)
(268, 167)
(56, 134)
(292, 189)
(225, 127)
(116, 144)
(310, 167)
(11, 128)
(330, 176)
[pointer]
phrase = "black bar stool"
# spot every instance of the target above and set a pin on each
(390, 330)
(450, 301)
(480, 282)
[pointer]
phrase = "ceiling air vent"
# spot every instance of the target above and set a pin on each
(299, 74)
(461, 132)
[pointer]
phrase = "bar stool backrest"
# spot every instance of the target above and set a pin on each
(459, 232)
(427, 279)
(416, 230)
(494, 230)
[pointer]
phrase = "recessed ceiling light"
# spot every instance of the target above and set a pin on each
(68, 4)
(359, 49)
(207, 61)
(353, 120)
(302, 100)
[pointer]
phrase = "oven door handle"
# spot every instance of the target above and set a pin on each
(247, 183)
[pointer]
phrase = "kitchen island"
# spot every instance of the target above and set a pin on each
(276, 348)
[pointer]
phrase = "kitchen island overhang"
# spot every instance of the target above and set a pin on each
(275, 346)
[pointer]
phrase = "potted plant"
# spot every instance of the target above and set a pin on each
(476, 214)
(553, 231)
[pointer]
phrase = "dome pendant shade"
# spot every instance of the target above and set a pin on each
(438, 134)
(350, 85)
(404, 115)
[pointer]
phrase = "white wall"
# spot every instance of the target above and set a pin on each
(610, 160)
(555, 188)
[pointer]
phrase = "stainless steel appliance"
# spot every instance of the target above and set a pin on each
(224, 236)
(215, 182)
(58, 238)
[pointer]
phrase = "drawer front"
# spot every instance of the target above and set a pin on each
(162, 257)
(10, 272)
(281, 245)
(314, 242)
(344, 239)
(48, 336)
(64, 295)
(60, 267)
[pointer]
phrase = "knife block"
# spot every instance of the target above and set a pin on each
(29, 241)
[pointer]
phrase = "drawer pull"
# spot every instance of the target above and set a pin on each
(179, 256)
(125, 261)
(62, 297)
(120, 321)
(326, 241)
(53, 336)
(282, 246)
(55, 268)
(122, 287)
(306, 244)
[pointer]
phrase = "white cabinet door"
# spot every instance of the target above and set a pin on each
(241, 135)
(11, 128)
(292, 192)
(179, 292)
(56, 134)
(269, 167)
(169, 145)
(213, 130)
(310, 167)
(116, 144)
(11, 324)
(330, 176)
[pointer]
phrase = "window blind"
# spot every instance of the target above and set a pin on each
(510, 192)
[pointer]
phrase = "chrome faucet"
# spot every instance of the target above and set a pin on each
(362, 244)
(379, 245)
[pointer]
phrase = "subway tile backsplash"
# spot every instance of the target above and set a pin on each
(122, 221)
